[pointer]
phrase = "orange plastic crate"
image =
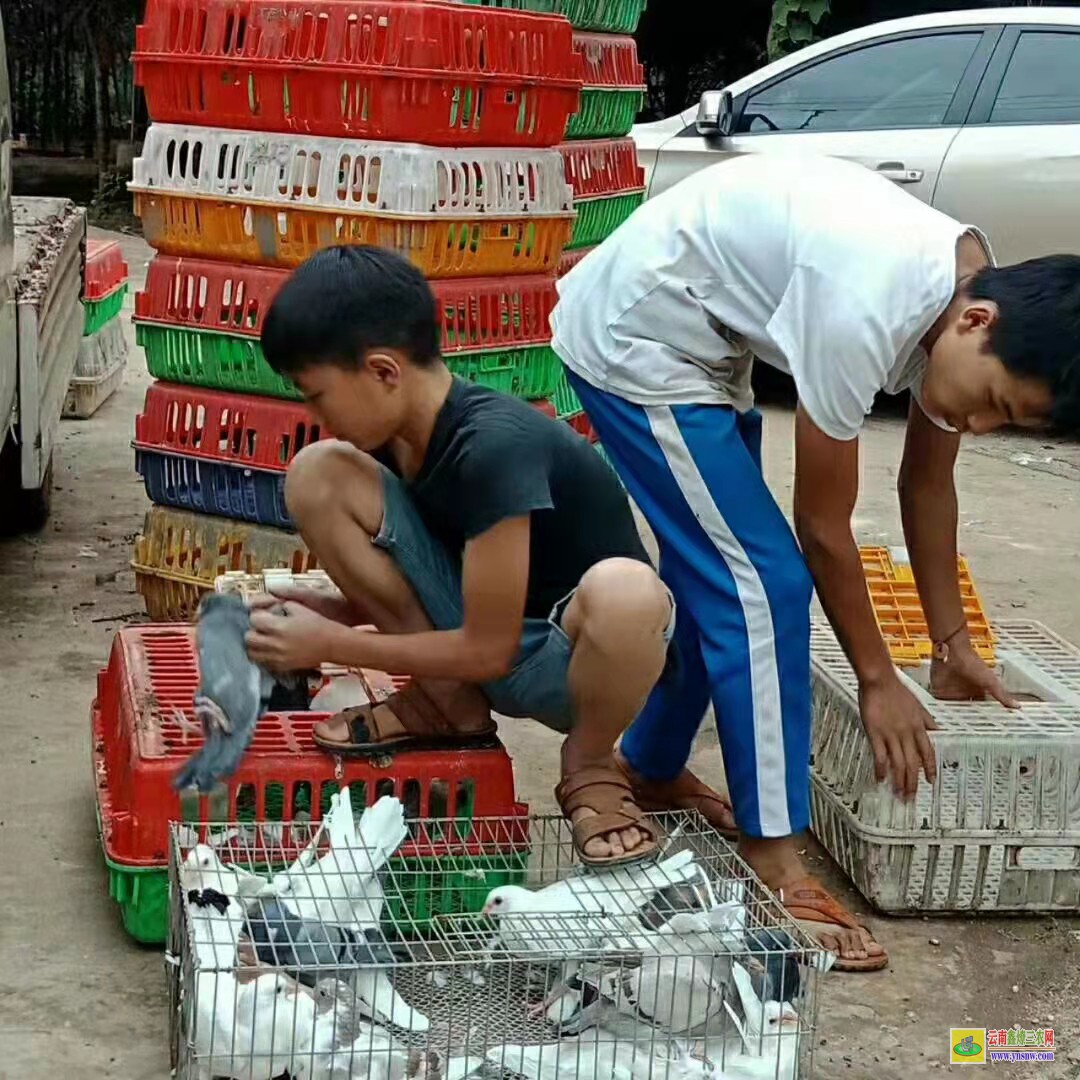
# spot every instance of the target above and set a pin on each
(899, 611)
(286, 236)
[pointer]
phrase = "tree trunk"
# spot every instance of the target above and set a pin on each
(101, 113)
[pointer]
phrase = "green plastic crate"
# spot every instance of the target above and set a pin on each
(598, 218)
(422, 889)
(211, 359)
(610, 16)
(531, 372)
(96, 313)
(565, 400)
(605, 114)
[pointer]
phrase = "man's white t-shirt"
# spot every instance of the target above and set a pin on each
(814, 265)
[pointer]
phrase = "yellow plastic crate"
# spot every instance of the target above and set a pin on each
(180, 555)
(895, 597)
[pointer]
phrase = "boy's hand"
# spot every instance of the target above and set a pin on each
(296, 641)
(328, 603)
(897, 725)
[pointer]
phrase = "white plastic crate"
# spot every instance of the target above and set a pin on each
(1000, 828)
(348, 175)
(99, 371)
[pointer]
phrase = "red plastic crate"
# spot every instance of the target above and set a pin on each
(570, 259)
(443, 74)
(231, 429)
(138, 746)
(475, 313)
(106, 271)
(600, 167)
(581, 423)
(547, 407)
(610, 60)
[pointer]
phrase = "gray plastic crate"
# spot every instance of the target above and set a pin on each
(1000, 828)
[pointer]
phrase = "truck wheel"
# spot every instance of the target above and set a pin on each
(21, 510)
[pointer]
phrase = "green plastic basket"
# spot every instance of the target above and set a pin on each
(611, 16)
(211, 359)
(565, 400)
(605, 114)
(531, 372)
(425, 888)
(598, 218)
(96, 313)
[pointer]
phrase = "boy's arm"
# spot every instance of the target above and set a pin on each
(826, 487)
(928, 508)
(495, 577)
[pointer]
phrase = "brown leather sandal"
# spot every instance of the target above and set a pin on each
(685, 792)
(373, 728)
(605, 790)
(816, 911)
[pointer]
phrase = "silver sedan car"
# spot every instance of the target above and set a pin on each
(975, 112)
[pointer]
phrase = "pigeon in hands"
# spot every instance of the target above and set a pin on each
(233, 692)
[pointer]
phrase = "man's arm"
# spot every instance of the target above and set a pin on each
(495, 578)
(826, 487)
(929, 510)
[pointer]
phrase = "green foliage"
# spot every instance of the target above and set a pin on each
(795, 23)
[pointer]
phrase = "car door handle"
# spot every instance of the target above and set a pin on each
(899, 173)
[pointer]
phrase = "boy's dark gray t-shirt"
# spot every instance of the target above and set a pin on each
(493, 457)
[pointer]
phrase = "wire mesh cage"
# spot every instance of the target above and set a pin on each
(292, 955)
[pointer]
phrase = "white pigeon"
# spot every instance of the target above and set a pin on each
(202, 869)
(215, 910)
(343, 887)
(581, 911)
(600, 1058)
(767, 1047)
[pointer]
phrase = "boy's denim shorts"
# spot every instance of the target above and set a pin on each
(536, 687)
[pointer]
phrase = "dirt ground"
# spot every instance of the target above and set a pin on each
(76, 994)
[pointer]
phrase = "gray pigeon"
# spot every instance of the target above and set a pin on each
(310, 950)
(233, 693)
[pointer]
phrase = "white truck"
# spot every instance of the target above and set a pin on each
(42, 247)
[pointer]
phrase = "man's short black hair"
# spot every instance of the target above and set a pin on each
(1037, 332)
(346, 300)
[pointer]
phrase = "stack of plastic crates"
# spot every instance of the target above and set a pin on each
(99, 369)
(140, 737)
(283, 128)
(600, 159)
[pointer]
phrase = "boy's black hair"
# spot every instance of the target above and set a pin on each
(1037, 332)
(346, 300)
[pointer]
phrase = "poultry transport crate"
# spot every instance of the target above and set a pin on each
(179, 555)
(277, 200)
(99, 371)
(607, 16)
(999, 829)
(608, 184)
(723, 982)
(220, 453)
(105, 270)
(140, 730)
(614, 87)
(570, 259)
(200, 322)
(895, 598)
(441, 74)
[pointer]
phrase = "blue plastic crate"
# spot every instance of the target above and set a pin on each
(214, 488)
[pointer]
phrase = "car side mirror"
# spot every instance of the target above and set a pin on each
(716, 113)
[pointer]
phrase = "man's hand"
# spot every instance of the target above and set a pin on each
(965, 677)
(897, 725)
(328, 603)
(299, 640)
